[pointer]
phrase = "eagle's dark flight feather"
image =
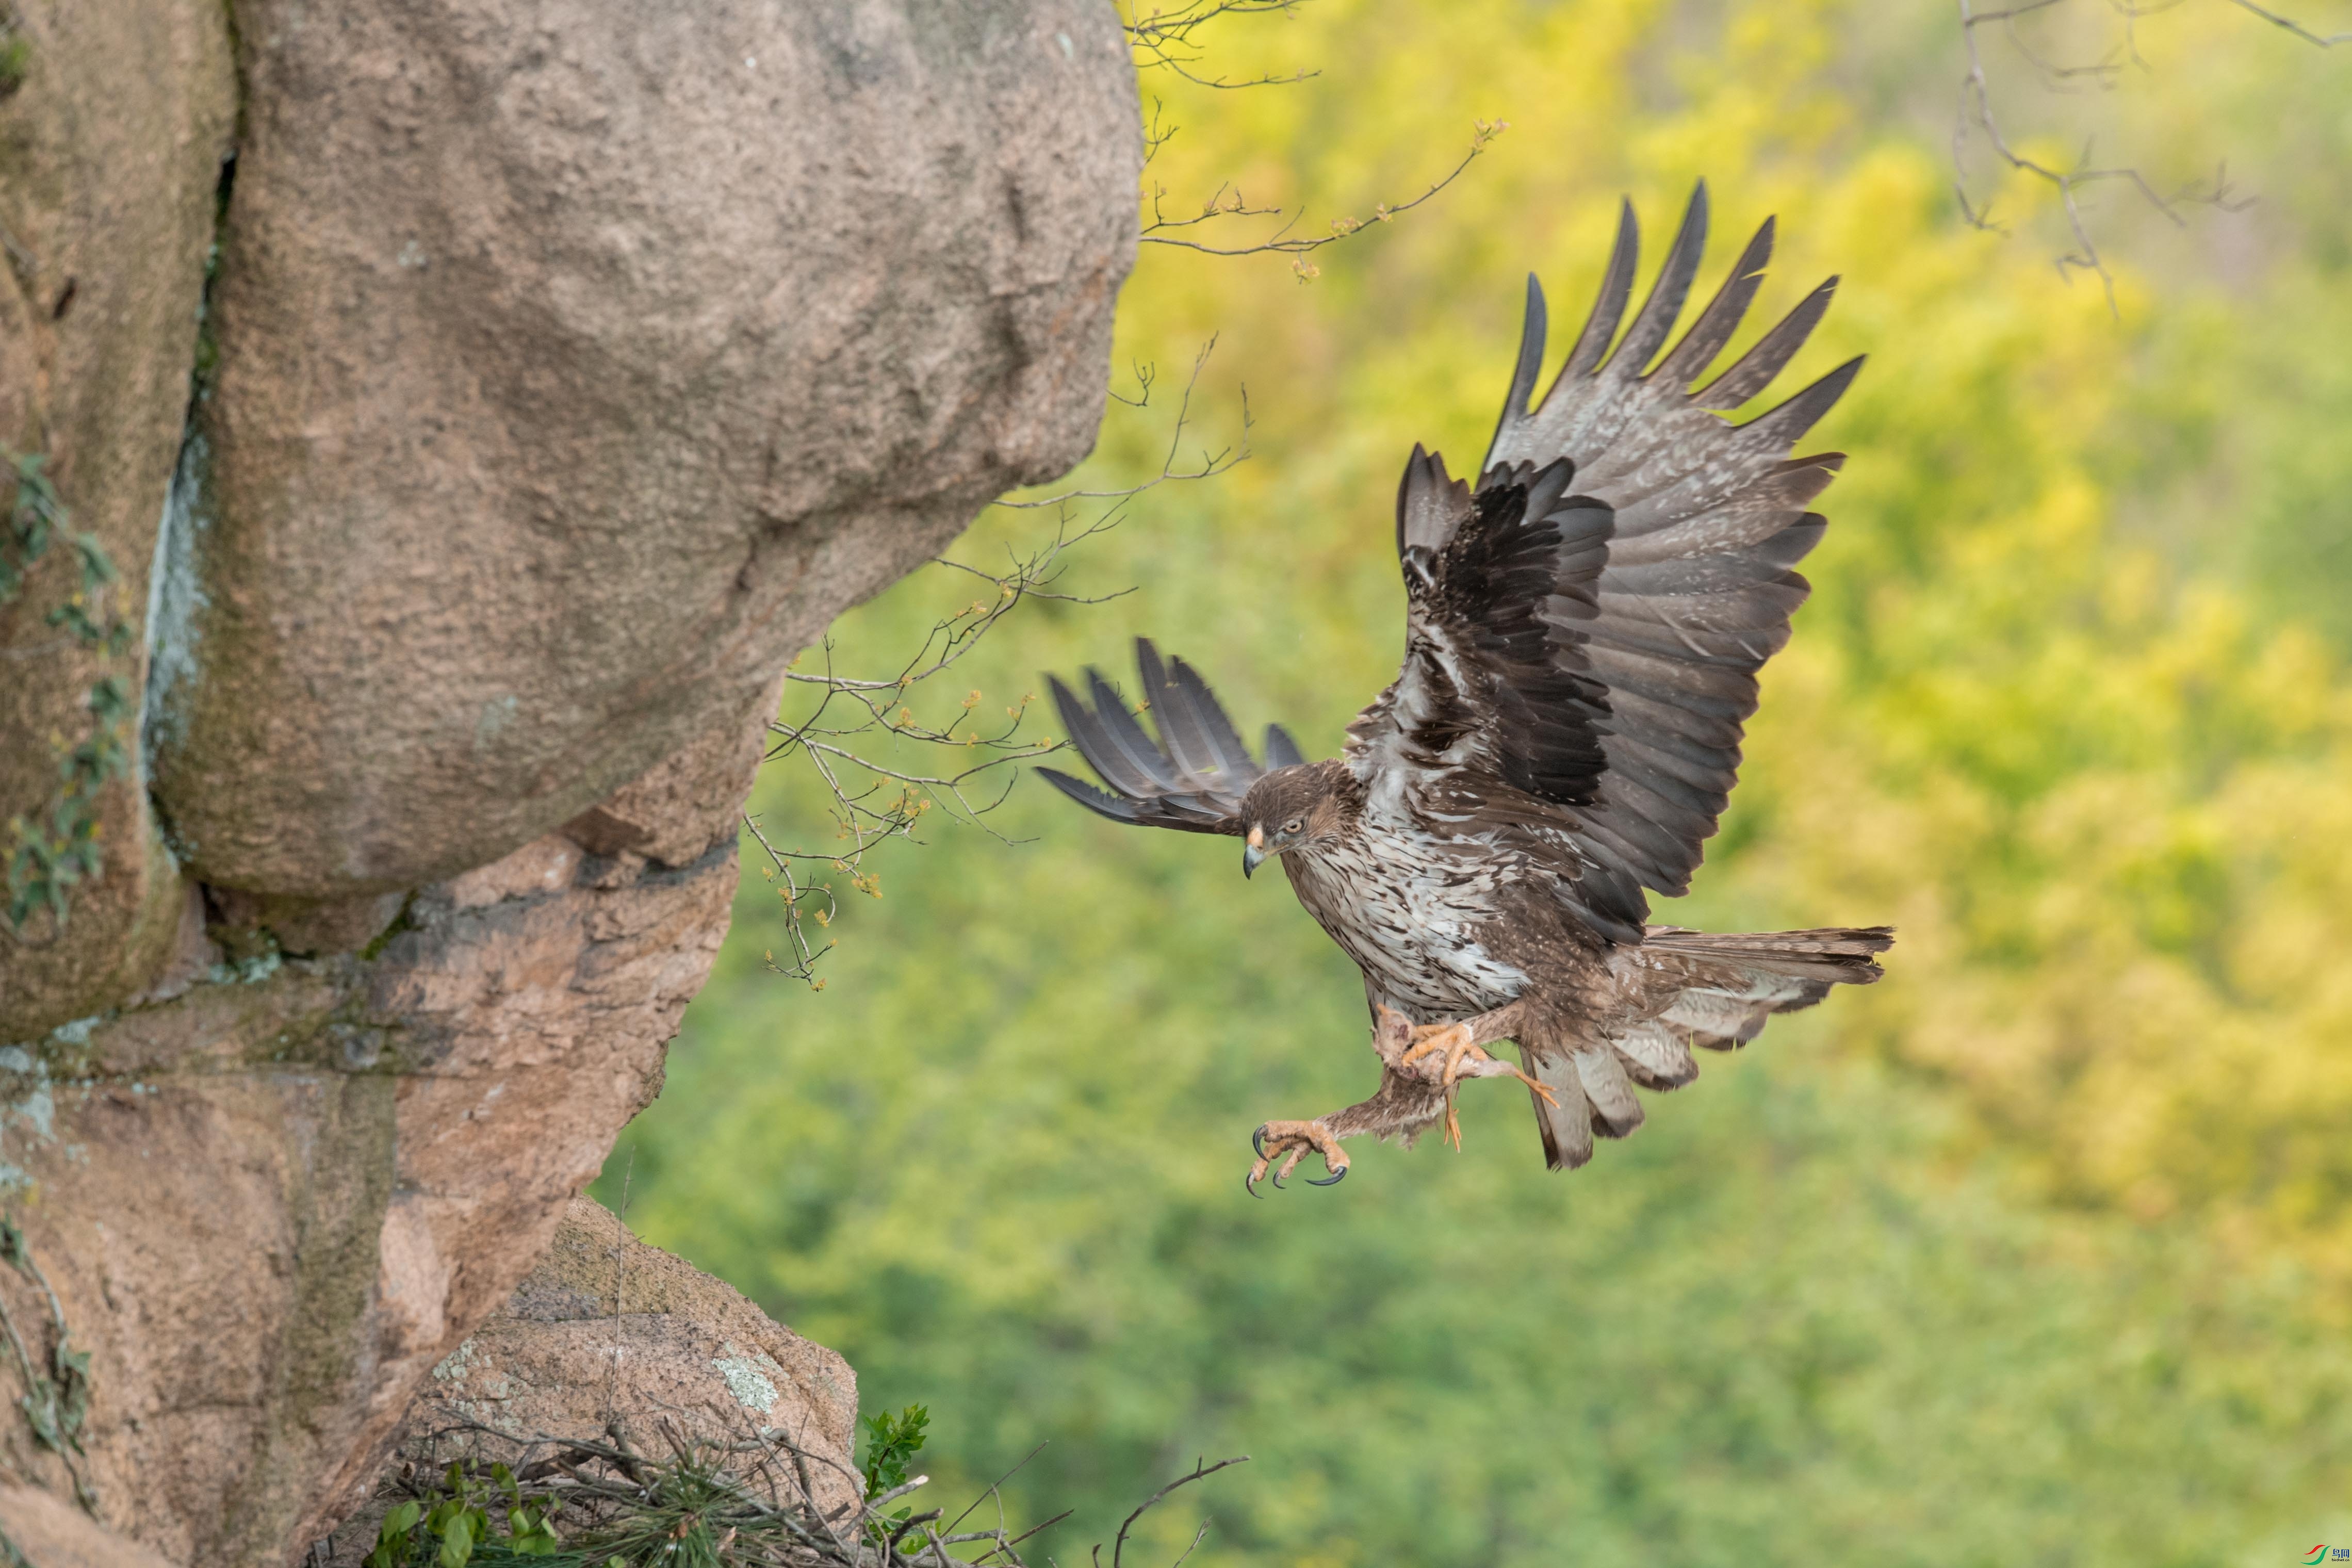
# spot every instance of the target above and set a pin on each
(1193, 778)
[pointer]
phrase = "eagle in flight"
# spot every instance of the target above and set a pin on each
(1583, 627)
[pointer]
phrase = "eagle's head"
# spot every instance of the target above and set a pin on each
(1289, 807)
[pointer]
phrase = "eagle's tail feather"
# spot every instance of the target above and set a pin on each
(1592, 1091)
(1706, 989)
(1731, 982)
(1837, 956)
(1566, 1125)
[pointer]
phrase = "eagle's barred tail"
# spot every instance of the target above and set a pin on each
(1840, 955)
(1730, 983)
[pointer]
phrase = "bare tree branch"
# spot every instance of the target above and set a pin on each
(1977, 111)
(843, 736)
(1168, 40)
(1227, 202)
(1200, 1471)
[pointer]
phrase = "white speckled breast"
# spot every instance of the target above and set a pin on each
(1409, 912)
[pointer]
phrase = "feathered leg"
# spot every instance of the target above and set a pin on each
(1460, 1048)
(1419, 1070)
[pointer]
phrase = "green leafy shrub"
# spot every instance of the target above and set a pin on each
(890, 1442)
(457, 1529)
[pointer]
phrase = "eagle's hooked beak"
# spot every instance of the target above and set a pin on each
(1254, 850)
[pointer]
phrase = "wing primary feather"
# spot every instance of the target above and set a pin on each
(1182, 736)
(1532, 331)
(1182, 740)
(1186, 740)
(1656, 320)
(1723, 313)
(1136, 748)
(1281, 750)
(1148, 786)
(1405, 484)
(1609, 305)
(1754, 369)
(1430, 507)
(1786, 425)
(1095, 743)
(1225, 740)
(1086, 794)
(1148, 666)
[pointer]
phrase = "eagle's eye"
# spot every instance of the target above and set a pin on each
(1296, 825)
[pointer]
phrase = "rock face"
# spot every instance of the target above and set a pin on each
(270, 1204)
(48, 1531)
(578, 362)
(567, 366)
(607, 1328)
(106, 214)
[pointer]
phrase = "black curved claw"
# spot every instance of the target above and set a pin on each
(1257, 1140)
(1249, 1183)
(1333, 1180)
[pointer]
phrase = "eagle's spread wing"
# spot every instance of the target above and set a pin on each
(1584, 628)
(1193, 778)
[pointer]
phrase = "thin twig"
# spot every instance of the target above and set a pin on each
(620, 1283)
(1200, 1471)
(993, 1487)
(883, 1500)
(2325, 40)
(1226, 202)
(1198, 1536)
(1165, 40)
(1036, 1529)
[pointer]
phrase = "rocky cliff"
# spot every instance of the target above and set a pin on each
(480, 404)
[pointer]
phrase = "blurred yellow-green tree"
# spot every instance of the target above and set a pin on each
(2038, 1251)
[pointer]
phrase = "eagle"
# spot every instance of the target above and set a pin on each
(1583, 626)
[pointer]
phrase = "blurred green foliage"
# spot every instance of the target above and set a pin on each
(2036, 1253)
